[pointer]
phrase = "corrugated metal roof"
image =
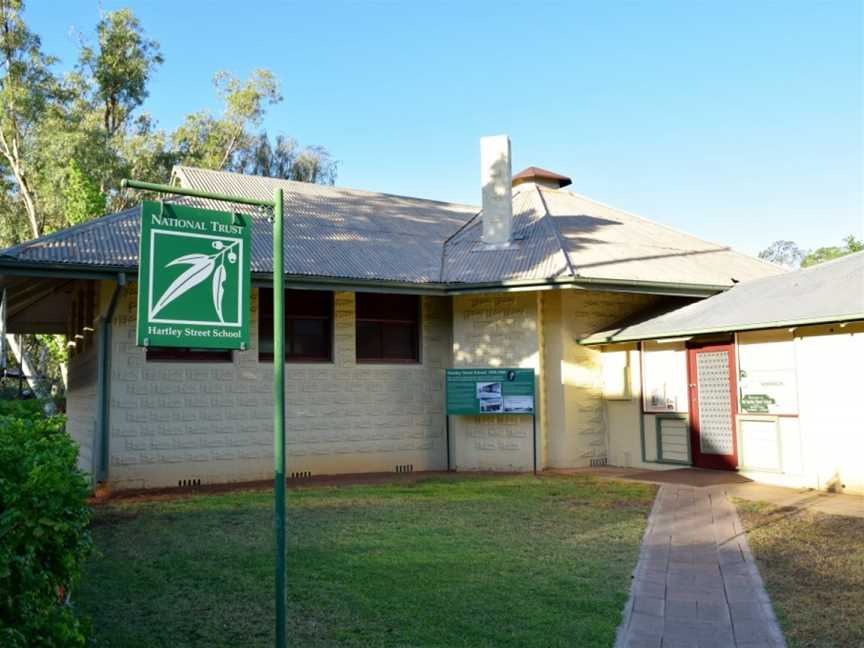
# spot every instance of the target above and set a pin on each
(832, 291)
(107, 241)
(339, 233)
(607, 243)
(534, 254)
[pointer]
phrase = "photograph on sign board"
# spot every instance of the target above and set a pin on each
(519, 404)
(488, 389)
(493, 404)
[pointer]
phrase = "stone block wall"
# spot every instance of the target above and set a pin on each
(214, 422)
(494, 330)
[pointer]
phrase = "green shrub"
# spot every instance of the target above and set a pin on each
(44, 532)
(23, 409)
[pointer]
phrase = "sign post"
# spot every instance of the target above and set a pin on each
(171, 298)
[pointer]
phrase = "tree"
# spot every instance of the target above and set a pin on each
(784, 253)
(121, 67)
(81, 195)
(820, 255)
(216, 142)
(27, 88)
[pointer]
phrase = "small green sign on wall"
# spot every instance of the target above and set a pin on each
(490, 391)
(193, 278)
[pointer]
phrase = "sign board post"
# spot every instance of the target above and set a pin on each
(194, 278)
(491, 391)
(214, 323)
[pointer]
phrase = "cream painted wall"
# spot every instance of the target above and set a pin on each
(822, 447)
(494, 330)
(623, 409)
(577, 414)
(830, 387)
(213, 422)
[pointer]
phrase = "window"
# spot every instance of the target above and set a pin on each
(664, 377)
(171, 354)
(388, 328)
(308, 325)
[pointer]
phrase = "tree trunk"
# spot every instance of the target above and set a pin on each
(12, 157)
(28, 368)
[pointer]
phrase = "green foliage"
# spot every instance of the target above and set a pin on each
(65, 144)
(28, 410)
(44, 533)
(27, 88)
(122, 66)
(822, 254)
(82, 197)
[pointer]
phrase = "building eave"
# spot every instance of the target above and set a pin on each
(594, 340)
(11, 267)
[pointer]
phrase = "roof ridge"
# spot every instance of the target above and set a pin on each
(547, 216)
(670, 228)
(66, 231)
(298, 183)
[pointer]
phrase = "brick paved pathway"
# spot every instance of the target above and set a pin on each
(696, 584)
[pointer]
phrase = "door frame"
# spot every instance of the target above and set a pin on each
(713, 461)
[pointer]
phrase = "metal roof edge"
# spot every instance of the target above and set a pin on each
(604, 285)
(13, 267)
(594, 339)
(61, 270)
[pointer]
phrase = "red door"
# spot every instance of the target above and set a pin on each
(713, 403)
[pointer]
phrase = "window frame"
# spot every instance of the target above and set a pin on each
(417, 323)
(268, 356)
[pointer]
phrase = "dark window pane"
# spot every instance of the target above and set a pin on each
(308, 303)
(310, 339)
(169, 354)
(308, 324)
(368, 340)
(387, 307)
(397, 341)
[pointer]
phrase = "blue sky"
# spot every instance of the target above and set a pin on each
(740, 122)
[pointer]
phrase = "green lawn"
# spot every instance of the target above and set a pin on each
(482, 561)
(813, 567)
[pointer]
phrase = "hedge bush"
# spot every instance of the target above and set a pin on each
(32, 409)
(44, 532)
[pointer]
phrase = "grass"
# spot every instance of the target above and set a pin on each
(495, 561)
(813, 567)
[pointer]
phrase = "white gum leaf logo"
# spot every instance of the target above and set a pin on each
(201, 266)
(219, 290)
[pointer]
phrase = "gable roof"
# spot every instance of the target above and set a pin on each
(829, 292)
(338, 233)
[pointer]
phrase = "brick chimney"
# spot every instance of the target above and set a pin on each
(496, 181)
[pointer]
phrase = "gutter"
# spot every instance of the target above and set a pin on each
(591, 340)
(9, 267)
(103, 384)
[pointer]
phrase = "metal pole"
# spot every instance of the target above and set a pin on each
(279, 415)
(195, 193)
(534, 440)
(447, 437)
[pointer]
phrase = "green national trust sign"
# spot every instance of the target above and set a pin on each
(194, 278)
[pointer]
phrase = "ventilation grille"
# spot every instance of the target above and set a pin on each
(599, 461)
(186, 483)
(303, 474)
(404, 468)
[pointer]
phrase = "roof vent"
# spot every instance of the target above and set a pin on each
(541, 177)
